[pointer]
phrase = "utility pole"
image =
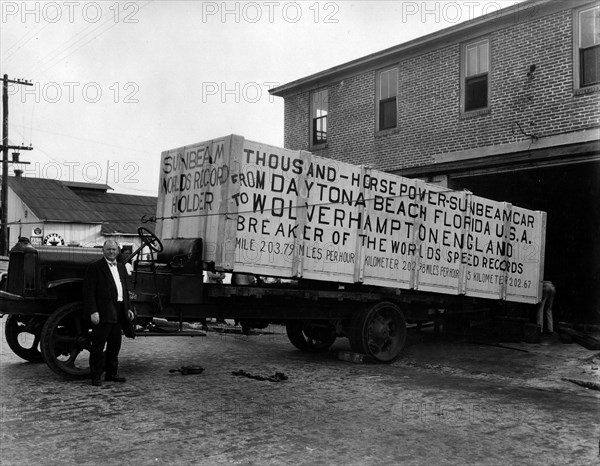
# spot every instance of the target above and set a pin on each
(5, 149)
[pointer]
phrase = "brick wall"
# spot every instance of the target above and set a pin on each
(296, 121)
(429, 119)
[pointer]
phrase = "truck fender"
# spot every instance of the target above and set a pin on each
(63, 281)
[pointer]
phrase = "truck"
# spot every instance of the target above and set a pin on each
(327, 248)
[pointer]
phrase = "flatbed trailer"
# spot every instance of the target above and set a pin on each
(354, 253)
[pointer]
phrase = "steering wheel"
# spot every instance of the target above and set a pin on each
(150, 239)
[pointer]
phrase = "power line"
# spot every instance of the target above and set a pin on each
(75, 167)
(33, 33)
(65, 46)
(88, 140)
(54, 59)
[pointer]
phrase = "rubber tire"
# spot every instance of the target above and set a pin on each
(62, 315)
(302, 341)
(362, 337)
(12, 339)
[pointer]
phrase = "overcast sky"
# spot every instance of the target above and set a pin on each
(116, 83)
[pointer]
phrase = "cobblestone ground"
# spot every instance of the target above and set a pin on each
(442, 403)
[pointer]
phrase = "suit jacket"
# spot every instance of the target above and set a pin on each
(100, 293)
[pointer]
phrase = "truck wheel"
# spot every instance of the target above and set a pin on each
(65, 336)
(23, 336)
(310, 336)
(379, 331)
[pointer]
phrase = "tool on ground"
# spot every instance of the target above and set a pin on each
(277, 377)
(188, 370)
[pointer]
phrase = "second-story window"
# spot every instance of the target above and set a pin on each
(318, 117)
(589, 46)
(477, 67)
(386, 99)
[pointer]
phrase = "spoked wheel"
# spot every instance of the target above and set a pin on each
(379, 331)
(23, 336)
(66, 340)
(312, 336)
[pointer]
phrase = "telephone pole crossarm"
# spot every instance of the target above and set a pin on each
(17, 147)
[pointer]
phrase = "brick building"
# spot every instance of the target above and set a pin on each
(504, 106)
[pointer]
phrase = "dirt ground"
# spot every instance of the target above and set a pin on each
(444, 402)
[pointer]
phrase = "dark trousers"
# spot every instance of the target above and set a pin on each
(108, 334)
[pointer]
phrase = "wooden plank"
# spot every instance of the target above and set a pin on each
(587, 341)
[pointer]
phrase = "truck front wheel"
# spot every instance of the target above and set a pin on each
(23, 336)
(311, 336)
(65, 336)
(380, 331)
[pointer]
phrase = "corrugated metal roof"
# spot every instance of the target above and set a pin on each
(55, 201)
(51, 200)
(120, 213)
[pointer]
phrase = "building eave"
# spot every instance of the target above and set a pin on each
(533, 157)
(71, 222)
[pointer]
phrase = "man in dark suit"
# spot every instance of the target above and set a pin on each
(106, 302)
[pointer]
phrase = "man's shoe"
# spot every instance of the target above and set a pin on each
(96, 382)
(114, 378)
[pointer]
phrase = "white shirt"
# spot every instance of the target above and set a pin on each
(112, 266)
